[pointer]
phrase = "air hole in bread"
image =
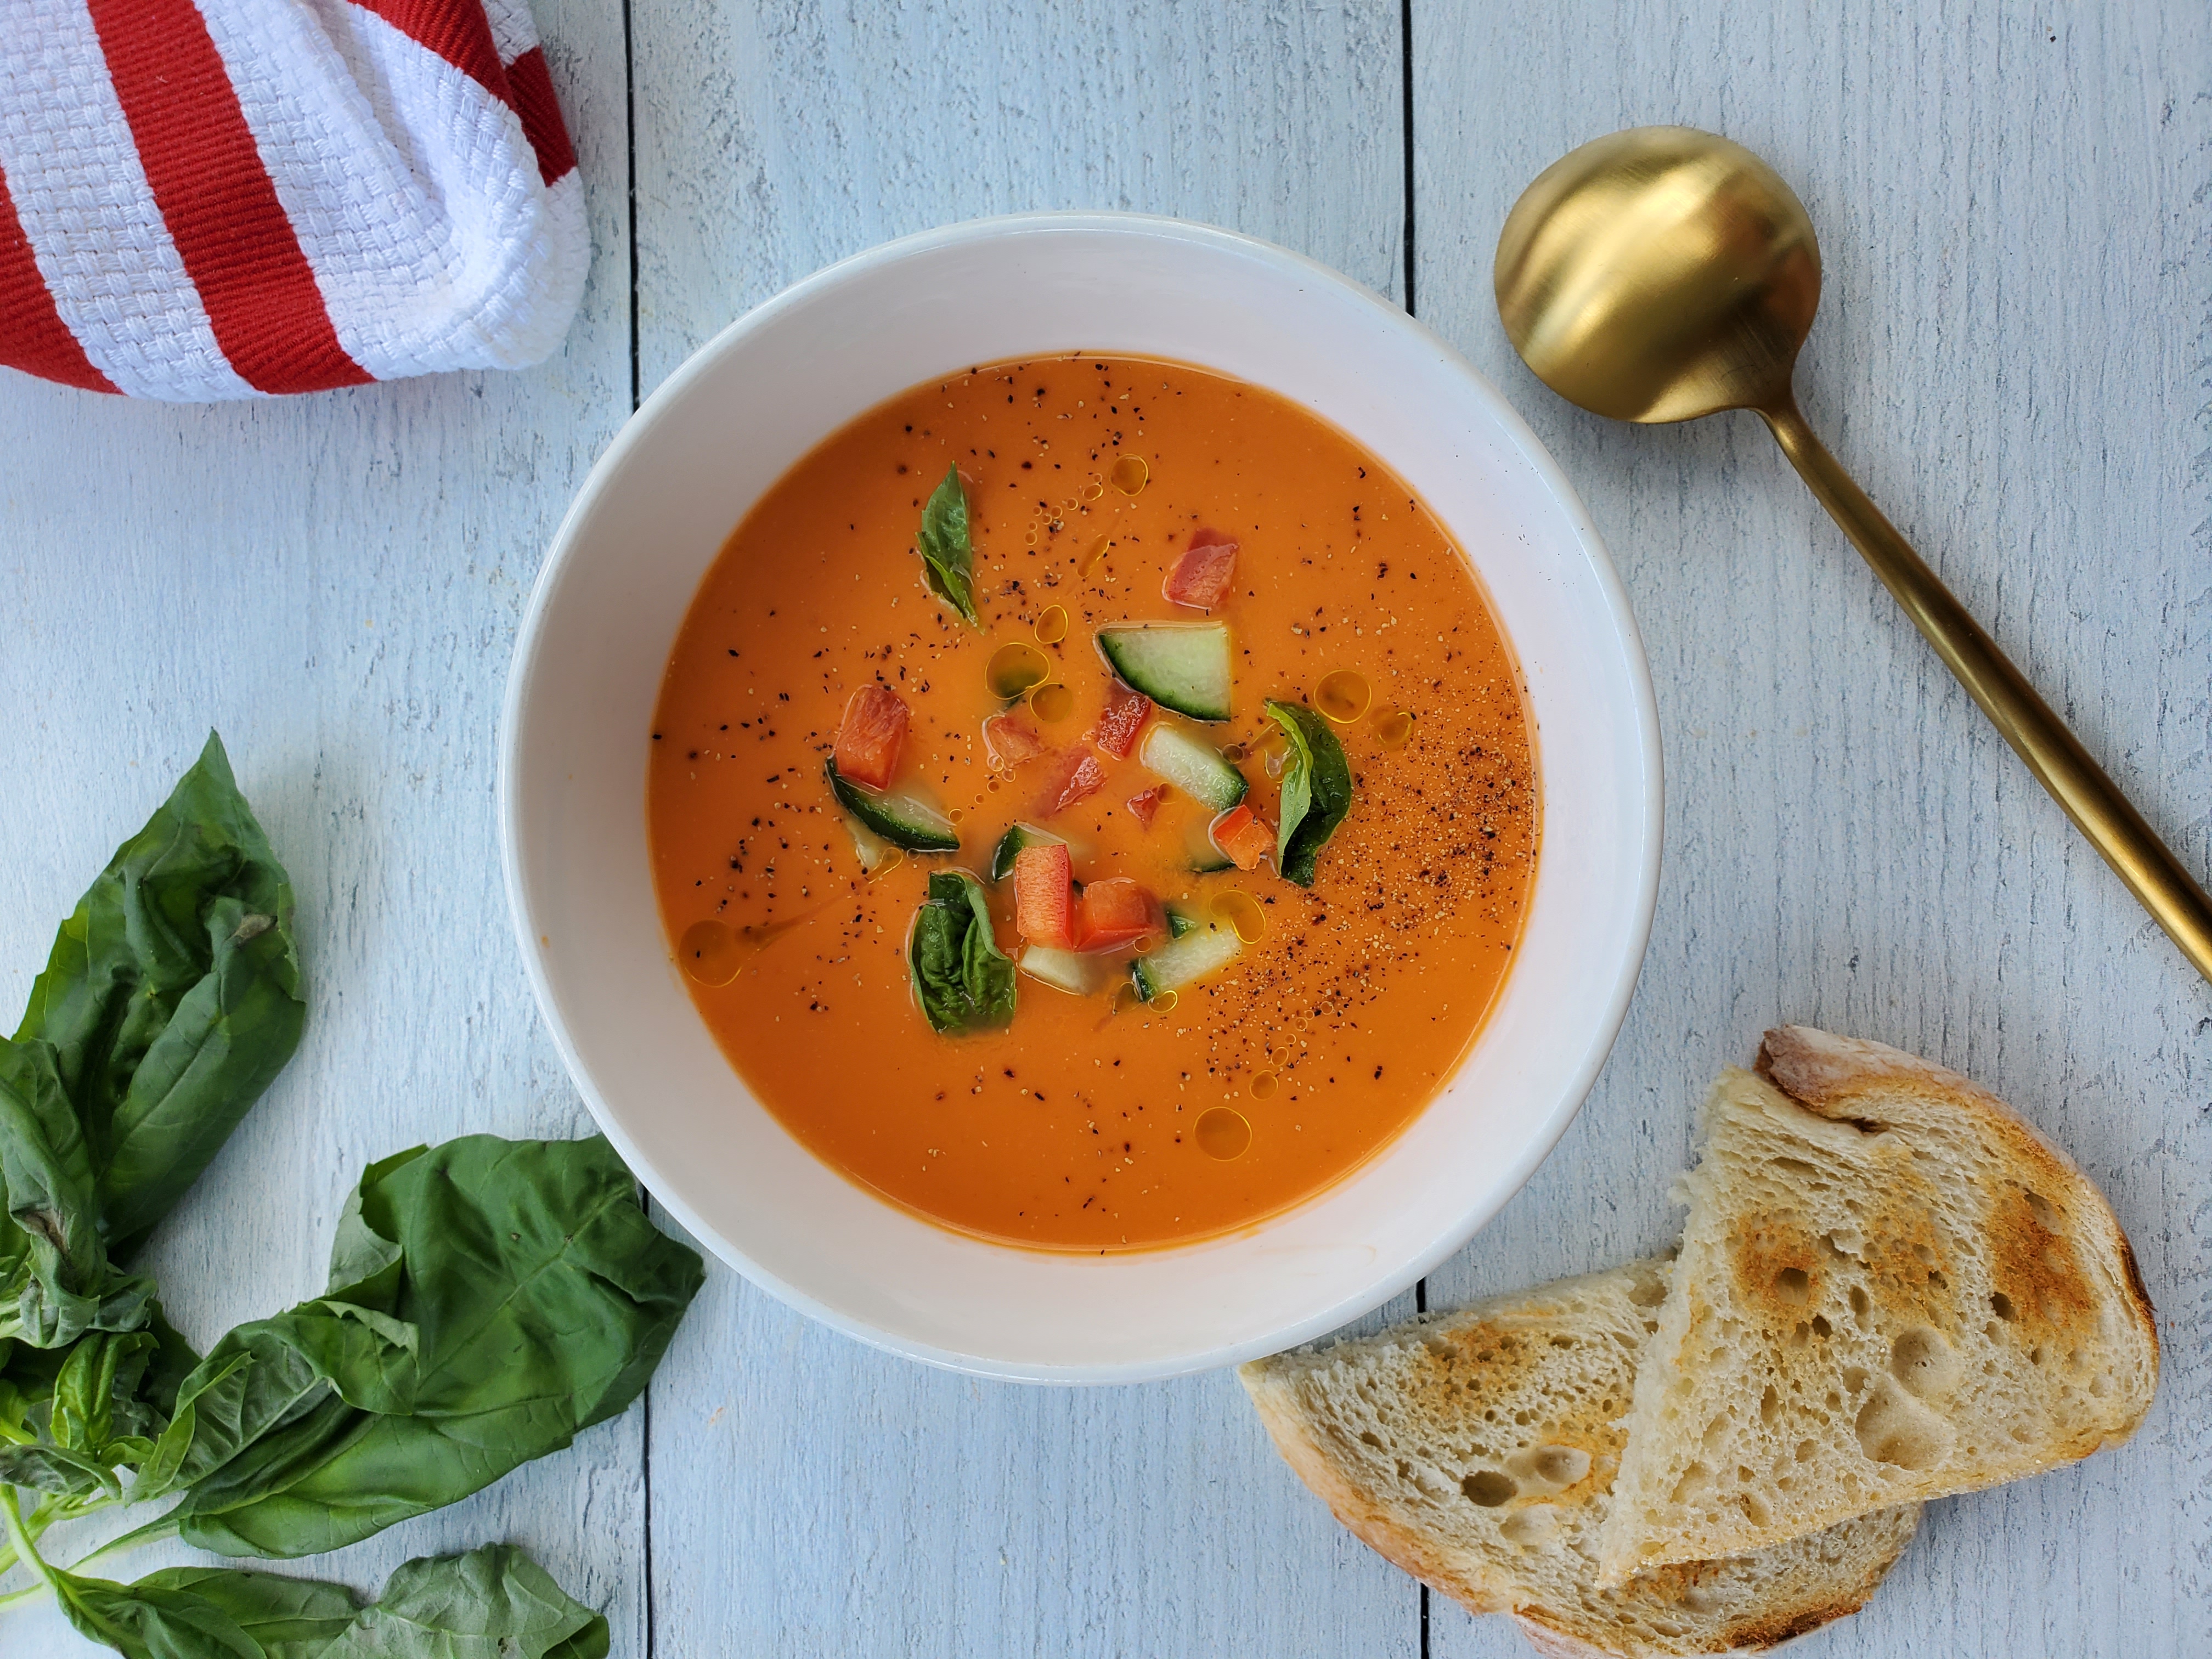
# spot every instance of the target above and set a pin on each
(2001, 1305)
(1489, 1487)
(1795, 1166)
(1694, 1480)
(1820, 1326)
(1894, 1429)
(1372, 1438)
(1845, 1242)
(1770, 1405)
(1925, 1363)
(2044, 1213)
(1936, 1278)
(1551, 1468)
(1531, 1527)
(1807, 1450)
(1860, 1305)
(1793, 1286)
(1854, 1378)
(1754, 1509)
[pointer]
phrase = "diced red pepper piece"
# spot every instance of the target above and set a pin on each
(1143, 807)
(1243, 838)
(1009, 740)
(1112, 913)
(1069, 776)
(869, 736)
(1044, 900)
(1202, 576)
(1121, 723)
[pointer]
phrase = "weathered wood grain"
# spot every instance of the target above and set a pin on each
(334, 582)
(2011, 354)
(809, 1495)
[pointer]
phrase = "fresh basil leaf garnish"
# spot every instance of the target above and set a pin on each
(948, 559)
(1316, 790)
(490, 1300)
(491, 1600)
(962, 979)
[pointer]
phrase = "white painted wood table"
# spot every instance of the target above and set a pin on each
(2015, 206)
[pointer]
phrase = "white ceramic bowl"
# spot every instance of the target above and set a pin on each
(633, 547)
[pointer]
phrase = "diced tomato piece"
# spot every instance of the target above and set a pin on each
(1044, 901)
(869, 736)
(1120, 724)
(1069, 776)
(1009, 740)
(1201, 577)
(1143, 807)
(1112, 913)
(1243, 838)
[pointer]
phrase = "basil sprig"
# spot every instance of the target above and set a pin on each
(962, 979)
(1316, 790)
(948, 559)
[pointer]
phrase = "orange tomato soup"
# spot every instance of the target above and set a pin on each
(1094, 1121)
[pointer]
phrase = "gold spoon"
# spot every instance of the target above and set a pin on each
(1661, 274)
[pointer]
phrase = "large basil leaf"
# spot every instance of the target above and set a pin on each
(540, 1298)
(948, 558)
(491, 1603)
(962, 979)
(1316, 790)
(170, 1000)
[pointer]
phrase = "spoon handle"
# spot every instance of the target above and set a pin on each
(2038, 737)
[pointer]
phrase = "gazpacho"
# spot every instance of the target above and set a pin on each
(1091, 803)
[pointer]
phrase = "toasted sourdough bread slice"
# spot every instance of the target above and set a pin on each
(1475, 1450)
(1890, 1288)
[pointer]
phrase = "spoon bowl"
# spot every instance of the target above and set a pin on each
(1658, 275)
(1663, 273)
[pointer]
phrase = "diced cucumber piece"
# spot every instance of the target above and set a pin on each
(1011, 844)
(1183, 920)
(1186, 961)
(1179, 666)
(1192, 765)
(899, 819)
(870, 849)
(1064, 970)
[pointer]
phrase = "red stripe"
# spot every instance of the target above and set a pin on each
(541, 114)
(237, 246)
(459, 31)
(33, 337)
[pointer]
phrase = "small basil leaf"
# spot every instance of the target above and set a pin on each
(962, 979)
(152, 1621)
(948, 559)
(60, 1276)
(1316, 790)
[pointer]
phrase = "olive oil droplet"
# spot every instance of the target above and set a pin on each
(1223, 1133)
(1052, 702)
(1052, 625)
(1243, 913)
(1096, 551)
(1013, 669)
(1343, 696)
(709, 953)
(1130, 474)
(1165, 1002)
(1394, 731)
(1264, 1084)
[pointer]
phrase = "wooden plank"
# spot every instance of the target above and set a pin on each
(2011, 354)
(334, 582)
(809, 1495)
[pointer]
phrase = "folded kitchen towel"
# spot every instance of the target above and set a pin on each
(223, 199)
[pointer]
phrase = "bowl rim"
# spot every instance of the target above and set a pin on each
(1613, 1004)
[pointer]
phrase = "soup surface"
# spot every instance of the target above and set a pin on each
(1285, 1032)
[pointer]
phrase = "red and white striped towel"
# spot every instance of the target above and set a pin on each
(221, 198)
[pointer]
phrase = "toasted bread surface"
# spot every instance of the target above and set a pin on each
(1476, 1450)
(1890, 1288)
